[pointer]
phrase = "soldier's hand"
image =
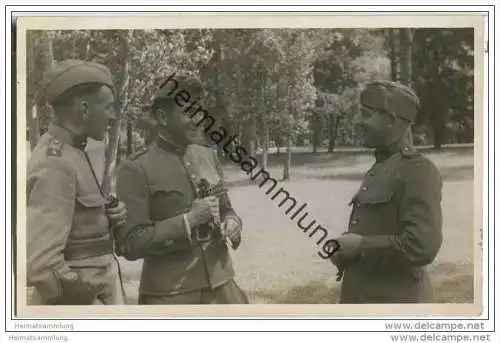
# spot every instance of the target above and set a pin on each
(336, 259)
(75, 292)
(213, 202)
(349, 244)
(117, 215)
(202, 211)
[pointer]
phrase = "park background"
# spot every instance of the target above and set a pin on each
(290, 96)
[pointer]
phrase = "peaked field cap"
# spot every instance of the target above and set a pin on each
(67, 74)
(392, 97)
(171, 85)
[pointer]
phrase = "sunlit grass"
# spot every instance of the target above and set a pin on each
(278, 263)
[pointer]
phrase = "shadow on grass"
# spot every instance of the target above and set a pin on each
(451, 284)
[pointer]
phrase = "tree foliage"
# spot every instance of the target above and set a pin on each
(286, 86)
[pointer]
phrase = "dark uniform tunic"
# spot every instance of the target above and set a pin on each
(397, 210)
(158, 185)
(67, 228)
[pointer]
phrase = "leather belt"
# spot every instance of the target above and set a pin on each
(78, 251)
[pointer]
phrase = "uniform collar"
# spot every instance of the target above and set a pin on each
(386, 152)
(168, 145)
(65, 135)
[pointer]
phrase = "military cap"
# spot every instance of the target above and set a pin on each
(391, 97)
(70, 73)
(176, 82)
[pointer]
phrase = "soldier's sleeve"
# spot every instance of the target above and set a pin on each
(141, 236)
(50, 206)
(420, 218)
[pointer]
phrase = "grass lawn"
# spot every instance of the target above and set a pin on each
(278, 263)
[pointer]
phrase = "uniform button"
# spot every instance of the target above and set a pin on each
(188, 163)
(193, 176)
(354, 222)
(363, 188)
(168, 243)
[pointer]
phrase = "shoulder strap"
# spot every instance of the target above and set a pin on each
(55, 147)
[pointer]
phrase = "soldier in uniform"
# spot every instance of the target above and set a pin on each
(70, 253)
(182, 235)
(395, 227)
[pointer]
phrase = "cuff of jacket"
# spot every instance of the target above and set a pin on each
(232, 214)
(174, 233)
(371, 243)
(381, 250)
(187, 226)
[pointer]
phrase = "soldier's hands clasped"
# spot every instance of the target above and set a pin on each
(203, 211)
(117, 215)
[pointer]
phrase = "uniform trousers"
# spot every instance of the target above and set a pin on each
(228, 293)
(104, 279)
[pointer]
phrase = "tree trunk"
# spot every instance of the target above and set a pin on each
(405, 65)
(265, 148)
(34, 126)
(405, 56)
(218, 97)
(316, 132)
(331, 133)
(289, 129)
(393, 55)
(438, 136)
(130, 137)
(42, 59)
(109, 181)
(440, 112)
(253, 136)
(288, 161)
(336, 131)
(249, 133)
(32, 81)
(262, 115)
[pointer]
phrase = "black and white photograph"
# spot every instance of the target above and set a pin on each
(261, 165)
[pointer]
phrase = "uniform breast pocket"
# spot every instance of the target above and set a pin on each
(378, 208)
(91, 200)
(378, 191)
(377, 195)
(168, 203)
(90, 219)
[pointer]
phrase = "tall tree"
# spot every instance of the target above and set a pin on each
(39, 58)
(406, 39)
(443, 65)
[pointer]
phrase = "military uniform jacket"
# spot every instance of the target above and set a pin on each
(397, 210)
(67, 228)
(158, 186)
